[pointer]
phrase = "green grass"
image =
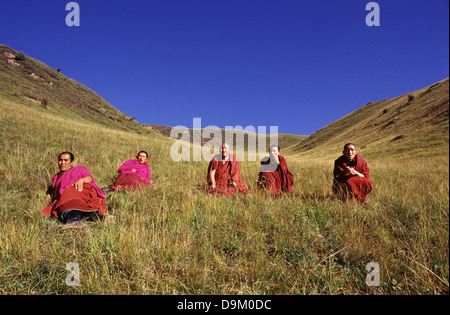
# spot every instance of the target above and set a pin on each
(172, 238)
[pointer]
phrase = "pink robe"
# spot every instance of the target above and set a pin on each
(129, 180)
(143, 170)
(94, 201)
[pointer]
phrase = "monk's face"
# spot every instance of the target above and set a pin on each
(142, 158)
(274, 152)
(225, 150)
(350, 152)
(64, 162)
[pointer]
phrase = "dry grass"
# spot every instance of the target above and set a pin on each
(398, 127)
(29, 81)
(174, 239)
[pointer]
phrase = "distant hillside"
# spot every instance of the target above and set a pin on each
(28, 81)
(415, 123)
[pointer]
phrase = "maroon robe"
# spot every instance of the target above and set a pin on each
(275, 177)
(349, 186)
(226, 173)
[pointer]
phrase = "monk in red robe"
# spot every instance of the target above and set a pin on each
(224, 174)
(351, 175)
(74, 194)
(274, 174)
(134, 174)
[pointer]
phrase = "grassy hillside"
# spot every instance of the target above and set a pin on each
(172, 238)
(28, 82)
(413, 124)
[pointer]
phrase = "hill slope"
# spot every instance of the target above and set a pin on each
(28, 81)
(408, 124)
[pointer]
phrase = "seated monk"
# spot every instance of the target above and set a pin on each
(224, 174)
(134, 174)
(74, 194)
(274, 174)
(351, 175)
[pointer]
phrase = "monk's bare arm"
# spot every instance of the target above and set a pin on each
(212, 178)
(79, 183)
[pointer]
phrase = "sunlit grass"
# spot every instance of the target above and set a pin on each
(172, 238)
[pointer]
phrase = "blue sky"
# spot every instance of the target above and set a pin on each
(295, 64)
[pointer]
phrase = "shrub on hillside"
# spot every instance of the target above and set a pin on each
(20, 56)
(44, 102)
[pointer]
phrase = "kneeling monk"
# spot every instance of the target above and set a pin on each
(351, 175)
(274, 174)
(134, 174)
(74, 194)
(224, 174)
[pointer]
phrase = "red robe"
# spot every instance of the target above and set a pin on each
(349, 186)
(226, 172)
(66, 197)
(275, 177)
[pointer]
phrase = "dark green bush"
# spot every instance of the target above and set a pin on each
(20, 56)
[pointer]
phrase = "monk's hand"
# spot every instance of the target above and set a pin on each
(234, 184)
(350, 171)
(213, 186)
(354, 172)
(134, 170)
(48, 198)
(79, 184)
